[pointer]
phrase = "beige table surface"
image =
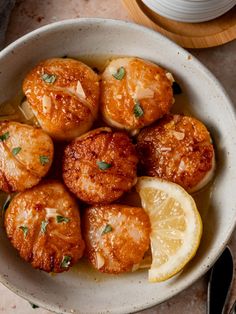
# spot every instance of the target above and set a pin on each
(31, 14)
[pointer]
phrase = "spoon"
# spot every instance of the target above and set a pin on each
(233, 308)
(220, 282)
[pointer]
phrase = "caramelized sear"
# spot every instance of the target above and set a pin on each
(179, 149)
(116, 236)
(100, 166)
(26, 154)
(135, 93)
(63, 94)
(43, 224)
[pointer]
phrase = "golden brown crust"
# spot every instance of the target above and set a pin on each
(60, 109)
(125, 242)
(144, 82)
(177, 148)
(81, 171)
(45, 250)
(21, 166)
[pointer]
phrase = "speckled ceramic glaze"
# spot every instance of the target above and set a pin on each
(82, 290)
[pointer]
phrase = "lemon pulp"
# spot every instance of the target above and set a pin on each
(176, 226)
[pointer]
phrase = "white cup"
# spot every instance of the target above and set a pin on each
(190, 11)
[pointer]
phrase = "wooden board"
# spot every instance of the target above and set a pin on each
(189, 35)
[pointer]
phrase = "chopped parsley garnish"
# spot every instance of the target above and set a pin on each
(62, 219)
(65, 263)
(44, 224)
(44, 160)
(16, 150)
(4, 136)
(107, 229)
(176, 88)
(102, 165)
(119, 74)
(25, 230)
(49, 78)
(138, 110)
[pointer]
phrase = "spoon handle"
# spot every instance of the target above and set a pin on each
(233, 308)
(220, 283)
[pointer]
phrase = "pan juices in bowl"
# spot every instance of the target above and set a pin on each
(130, 258)
(98, 167)
(99, 260)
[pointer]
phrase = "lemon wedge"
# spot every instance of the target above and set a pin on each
(176, 226)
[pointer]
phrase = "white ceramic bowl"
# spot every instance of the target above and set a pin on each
(82, 290)
(192, 11)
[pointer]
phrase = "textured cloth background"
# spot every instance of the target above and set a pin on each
(5, 10)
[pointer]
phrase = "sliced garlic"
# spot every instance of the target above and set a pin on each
(79, 90)
(112, 70)
(182, 165)
(24, 217)
(51, 212)
(141, 92)
(176, 118)
(99, 260)
(170, 77)
(145, 263)
(47, 103)
(56, 233)
(165, 149)
(135, 267)
(118, 96)
(178, 135)
(26, 110)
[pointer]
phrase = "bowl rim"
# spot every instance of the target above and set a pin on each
(116, 22)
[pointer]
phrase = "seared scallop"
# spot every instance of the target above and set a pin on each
(63, 95)
(100, 166)
(26, 154)
(135, 93)
(179, 149)
(43, 224)
(116, 237)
